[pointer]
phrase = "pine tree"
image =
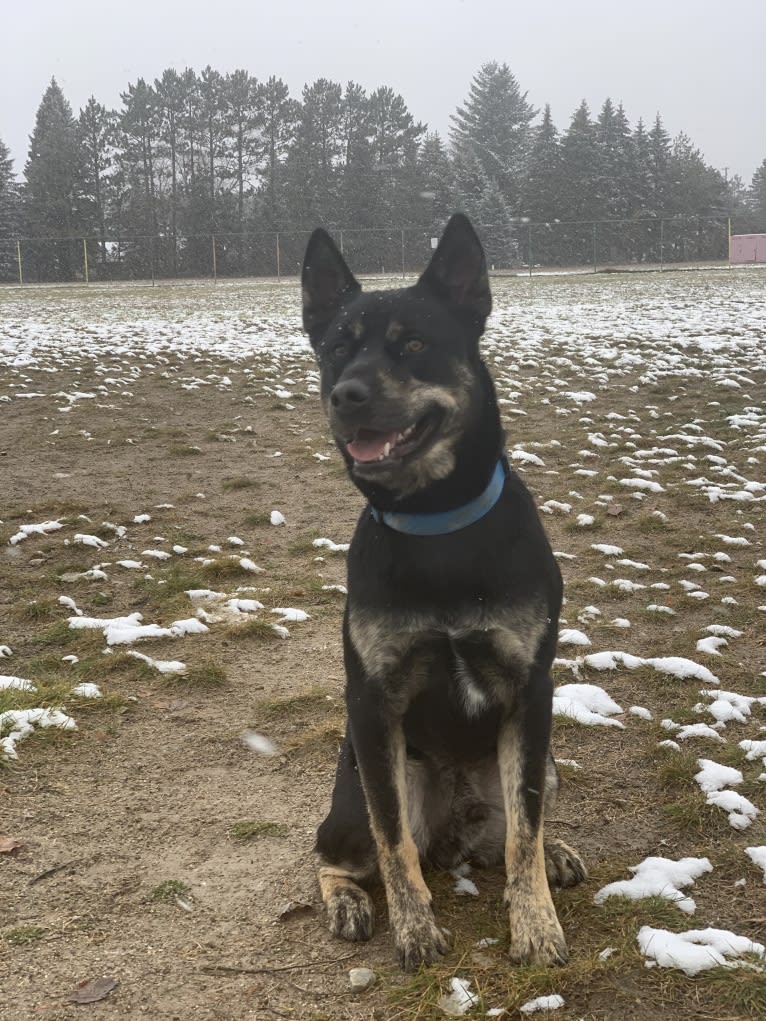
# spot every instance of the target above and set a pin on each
(758, 198)
(580, 160)
(10, 203)
(316, 154)
(50, 195)
(659, 158)
(494, 125)
(170, 96)
(696, 192)
(356, 158)
(435, 184)
(278, 116)
(543, 192)
(97, 136)
(394, 142)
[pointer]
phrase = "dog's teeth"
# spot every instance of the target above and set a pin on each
(386, 450)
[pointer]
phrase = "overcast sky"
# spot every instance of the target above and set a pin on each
(701, 64)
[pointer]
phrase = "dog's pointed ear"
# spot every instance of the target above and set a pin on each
(457, 272)
(327, 283)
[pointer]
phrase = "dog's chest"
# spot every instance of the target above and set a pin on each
(475, 655)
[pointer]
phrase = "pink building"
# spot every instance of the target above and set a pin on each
(744, 248)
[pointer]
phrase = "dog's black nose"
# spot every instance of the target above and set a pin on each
(349, 394)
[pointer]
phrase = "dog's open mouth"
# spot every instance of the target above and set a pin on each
(371, 446)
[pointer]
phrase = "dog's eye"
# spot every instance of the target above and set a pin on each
(414, 346)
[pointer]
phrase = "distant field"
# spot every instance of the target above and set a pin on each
(149, 433)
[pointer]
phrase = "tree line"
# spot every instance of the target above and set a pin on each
(195, 156)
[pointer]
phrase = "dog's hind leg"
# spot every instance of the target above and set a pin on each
(563, 865)
(347, 852)
(536, 935)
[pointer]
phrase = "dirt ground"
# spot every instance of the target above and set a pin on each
(151, 787)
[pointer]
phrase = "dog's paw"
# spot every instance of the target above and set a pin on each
(420, 941)
(563, 865)
(537, 938)
(351, 914)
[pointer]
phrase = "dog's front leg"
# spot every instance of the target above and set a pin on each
(378, 737)
(536, 935)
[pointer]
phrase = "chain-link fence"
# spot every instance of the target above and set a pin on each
(518, 247)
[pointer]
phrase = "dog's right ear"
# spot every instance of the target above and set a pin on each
(327, 284)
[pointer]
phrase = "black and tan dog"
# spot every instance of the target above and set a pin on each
(452, 614)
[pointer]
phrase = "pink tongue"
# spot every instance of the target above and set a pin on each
(369, 445)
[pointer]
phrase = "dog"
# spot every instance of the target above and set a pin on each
(451, 619)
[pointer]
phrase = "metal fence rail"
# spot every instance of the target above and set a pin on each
(521, 246)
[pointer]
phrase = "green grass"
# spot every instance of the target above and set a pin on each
(319, 698)
(253, 829)
(168, 891)
(23, 935)
(231, 485)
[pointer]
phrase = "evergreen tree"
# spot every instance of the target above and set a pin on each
(278, 116)
(696, 192)
(658, 160)
(435, 184)
(140, 124)
(356, 158)
(315, 156)
(615, 163)
(544, 184)
(494, 124)
(170, 97)
(543, 195)
(10, 202)
(97, 136)
(579, 198)
(51, 192)
(758, 198)
(394, 142)
(241, 146)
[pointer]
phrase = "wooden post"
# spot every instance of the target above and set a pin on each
(662, 245)
(595, 266)
(85, 259)
(729, 239)
(529, 247)
(279, 268)
(402, 254)
(215, 267)
(341, 242)
(18, 257)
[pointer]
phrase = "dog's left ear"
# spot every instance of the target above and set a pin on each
(327, 283)
(457, 272)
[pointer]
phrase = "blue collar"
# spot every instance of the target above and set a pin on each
(447, 521)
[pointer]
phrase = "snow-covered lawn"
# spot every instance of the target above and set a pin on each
(635, 410)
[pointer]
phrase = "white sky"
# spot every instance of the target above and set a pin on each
(700, 63)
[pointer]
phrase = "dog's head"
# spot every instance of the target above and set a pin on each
(402, 382)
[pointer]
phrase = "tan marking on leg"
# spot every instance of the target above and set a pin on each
(536, 935)
(417, 937)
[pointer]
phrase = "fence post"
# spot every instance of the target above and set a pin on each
(402, 253)
(728, 235)
(341, 242)
(279, 268)
(215, 267)
(529, 247)
(85, 259)
(595, 264)
(662, 245)
(18, 257)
